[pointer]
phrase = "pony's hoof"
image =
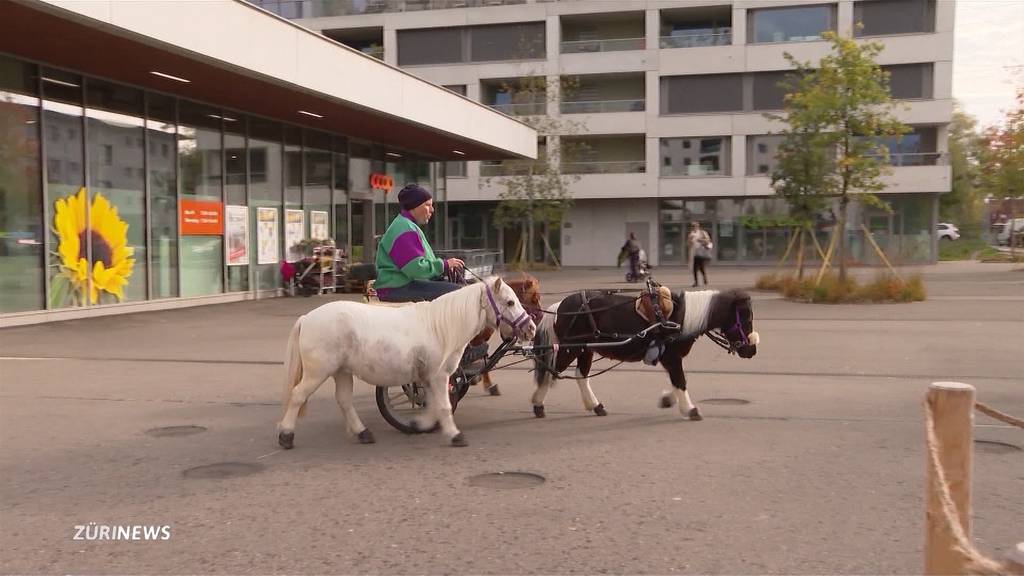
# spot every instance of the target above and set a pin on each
(459, 440)
(494, 390)
(286, 440)
(694, 414)
(667, 401)
(366, 437)
(538, 411)
(600, 411)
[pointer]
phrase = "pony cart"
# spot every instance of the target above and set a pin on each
(573, 332)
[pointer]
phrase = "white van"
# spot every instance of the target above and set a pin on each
(1002, 232)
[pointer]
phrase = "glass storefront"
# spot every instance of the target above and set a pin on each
(756, 230)
(111, 194)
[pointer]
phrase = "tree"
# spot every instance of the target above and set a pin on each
(963, 203)
(1002, 159)
(536, 192)
(836, 114)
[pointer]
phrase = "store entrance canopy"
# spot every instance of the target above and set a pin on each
(231, 54)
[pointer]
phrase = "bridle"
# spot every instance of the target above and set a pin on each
(516, 324)
(724, 337)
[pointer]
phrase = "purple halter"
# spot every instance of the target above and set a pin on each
(499, 318)
(738, 326)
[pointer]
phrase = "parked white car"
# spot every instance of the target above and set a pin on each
(947, 231)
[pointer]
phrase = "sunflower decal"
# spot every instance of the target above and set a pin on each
(112, 257)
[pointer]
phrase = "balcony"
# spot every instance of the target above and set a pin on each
(369, 41)
(603, 106)
(522, 108)
(610, 32)
(512, 168)
(918, 159)
(297, 9)
(697, 38)
(696, 27)
(612, 45)
(605, 167)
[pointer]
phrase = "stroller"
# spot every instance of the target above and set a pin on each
(643, 269)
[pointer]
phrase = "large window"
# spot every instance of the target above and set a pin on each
(702, 93)
(117, 184)
(695, 156)
(21, 197)
(519, 41)
(69, 239)
(200, 170)
(770, 89)
(790, 24)
(266, 181)
(880, 17)
(761, 151)
(910, 81)
(163, 194)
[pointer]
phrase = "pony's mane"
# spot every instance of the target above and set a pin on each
(451, 311)
(696, 309)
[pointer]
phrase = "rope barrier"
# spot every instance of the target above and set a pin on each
(1002, 416)
(976, 563)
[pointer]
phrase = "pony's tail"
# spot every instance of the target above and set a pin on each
(545, 337)
(293, 366)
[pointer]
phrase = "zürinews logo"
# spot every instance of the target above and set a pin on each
(94, 531)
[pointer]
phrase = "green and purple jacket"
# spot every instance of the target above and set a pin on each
(403, 255)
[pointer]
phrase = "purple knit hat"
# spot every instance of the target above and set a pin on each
(412, 196)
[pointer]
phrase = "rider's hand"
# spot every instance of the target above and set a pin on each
(456, 264)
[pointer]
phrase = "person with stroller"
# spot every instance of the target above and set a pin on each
(631, 250)
(407, 269)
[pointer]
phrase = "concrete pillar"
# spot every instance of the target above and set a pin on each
(391, 45)
(845, 21)
(652, 28)
(739, 26)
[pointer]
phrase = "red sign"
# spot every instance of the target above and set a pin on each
(201, 218)
(381, 182)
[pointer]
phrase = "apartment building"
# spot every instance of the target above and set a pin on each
(670, 97)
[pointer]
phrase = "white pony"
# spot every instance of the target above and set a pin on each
(394, 346)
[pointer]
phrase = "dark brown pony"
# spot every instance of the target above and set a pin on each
(527, 288)
(596, 316)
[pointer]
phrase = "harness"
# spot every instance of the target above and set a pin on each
(516, 324)
(721, 337)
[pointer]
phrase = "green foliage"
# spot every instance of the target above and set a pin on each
(761, 221)
(836, 112)
(962, 249)
(963, 204)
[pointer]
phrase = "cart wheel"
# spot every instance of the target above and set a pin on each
(399, 405)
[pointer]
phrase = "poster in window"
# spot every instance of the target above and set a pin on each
(318, 225)
(237, 230)
(267, 235)
(294, 232)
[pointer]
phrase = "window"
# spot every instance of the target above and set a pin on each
(695, 157)
(790, 24)
(761, 151)
(880, 17)
(702, 93)
(910, 81)
(457, 88)
(518, 41)
(770, 89)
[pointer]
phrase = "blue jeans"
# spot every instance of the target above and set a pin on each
(417, 291)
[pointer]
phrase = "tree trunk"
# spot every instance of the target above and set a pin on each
(800, 254)
(530, 237)
(841, 230)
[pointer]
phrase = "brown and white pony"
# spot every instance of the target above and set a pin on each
(615, 318)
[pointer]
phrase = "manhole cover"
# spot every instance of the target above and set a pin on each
(175, 431)
(506, 480)
(726, 401)
(223, 470)
(995, 447)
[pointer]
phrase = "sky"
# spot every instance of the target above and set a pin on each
(988, 58)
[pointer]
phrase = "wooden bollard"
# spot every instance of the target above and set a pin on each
(952, 407)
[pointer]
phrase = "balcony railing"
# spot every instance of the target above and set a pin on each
(377, 52)
(506, 168)
(691, 171)
(611, 45)
(522, 108)
(318, 8)
(602, 106)
(696, 39)
(917, 159)
(615, 167)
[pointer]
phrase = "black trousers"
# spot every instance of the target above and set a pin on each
(700, 263)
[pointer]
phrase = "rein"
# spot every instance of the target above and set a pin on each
(721, 337)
